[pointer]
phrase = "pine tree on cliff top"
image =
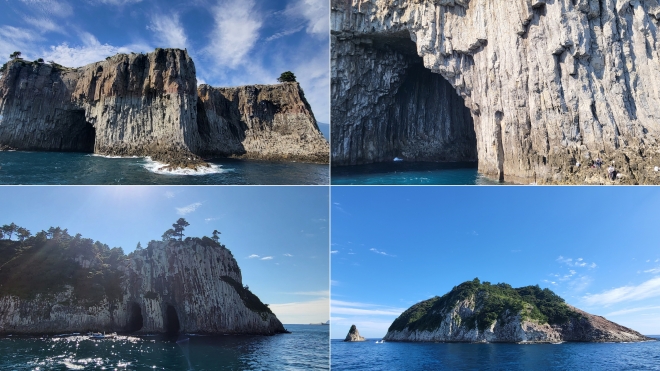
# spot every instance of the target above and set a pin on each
(287, 76)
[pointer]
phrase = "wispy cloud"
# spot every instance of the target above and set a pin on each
(236, 31)
(653, 270)
(381, 252)
(314, 12)
(168, 31)
(44, 24)
(169, 194)
(284, 33)
(210, 219)
(289, 255)
(116, 2)
(51, 7)
(14, 38)
(91, 51)
(631, 310)
(648, 289)
(325, 293)
(312, 311)
(579, 262)
(356, 308)
(253, 256)
(267, 258)
(188, 209)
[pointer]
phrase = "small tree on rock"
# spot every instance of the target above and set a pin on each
(138, 247)
(22, 233)
(9, 229)
(15, 55)
(287, 76)
(169, 235)
(179, 226)
(216, 236)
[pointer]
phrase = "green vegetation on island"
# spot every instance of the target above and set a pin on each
(491, 302)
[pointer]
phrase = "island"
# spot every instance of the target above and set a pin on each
(354, 335)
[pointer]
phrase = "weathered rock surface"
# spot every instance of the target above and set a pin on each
(549, 84)
(144, 105)
(460, 316)
(265, 122)
(170, 287)
(354, 335)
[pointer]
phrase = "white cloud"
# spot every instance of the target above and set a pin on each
(169, 194)
(236, 32)
(381, 252)
(91, 52)
(43, 24)
(188, 209)
(334, 252)
(579, 262)
(168, 31)
(653, 270)
(289, 255)
(116, 2)
(17, 39)
(314, 12)
(267, 258)
(324, 293)
(313, 311)
(253, 256)
(648, 289)
(355, 308)
(210, 219)
(50, 7)
(632, 310)
(284, 33)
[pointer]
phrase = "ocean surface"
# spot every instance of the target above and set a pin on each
(409, 173)
(18, 167)
(306, 348)
(458, 356)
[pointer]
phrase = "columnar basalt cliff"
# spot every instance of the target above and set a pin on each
(549, 84)
(481, 312)
(262, 122)
(170, 287)
(142, 105)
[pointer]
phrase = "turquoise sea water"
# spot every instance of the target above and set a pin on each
(80, 168)
(459, 356)
(306, 348)
(409, 173)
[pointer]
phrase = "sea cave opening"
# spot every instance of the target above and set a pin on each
(83, 133)
(413, 113)
(135, 319)
(172, 325)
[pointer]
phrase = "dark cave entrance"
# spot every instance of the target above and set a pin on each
(427, 119)
(135, 320)
(172, 325)
(83, 133)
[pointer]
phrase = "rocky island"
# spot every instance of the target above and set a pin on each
(150, 105)
(534, 90)
(53, 283)
(354, 335)
(482, 312)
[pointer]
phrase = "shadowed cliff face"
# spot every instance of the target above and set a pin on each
(548, 83)
(147, 105)
(386, 105)
(169, 287)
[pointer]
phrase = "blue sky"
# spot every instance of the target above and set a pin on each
(233, 42)
(278, 235)
(392, 247)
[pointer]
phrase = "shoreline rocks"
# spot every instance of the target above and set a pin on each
(354, 335)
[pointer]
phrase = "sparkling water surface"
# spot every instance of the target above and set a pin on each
(17, 167)
(306, 348)
(460, 356)
(409, 173)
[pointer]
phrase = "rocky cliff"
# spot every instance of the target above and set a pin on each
(265, 122)
(354, 335)
(68, 284)
(141, 105)
(481, 312)
(549, 84)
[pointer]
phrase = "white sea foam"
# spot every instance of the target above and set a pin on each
(158, 168)
(108, 156)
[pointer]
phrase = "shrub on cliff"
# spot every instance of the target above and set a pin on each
(287, 76)
(15, 55)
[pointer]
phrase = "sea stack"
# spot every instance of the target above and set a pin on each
(63, 284)
(148, 105)
(545, 85)
(354, 335)
(481, 312)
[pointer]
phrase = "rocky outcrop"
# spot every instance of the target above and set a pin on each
(194, 286)
(354, 335)
(549, 84)
(474, 312)
(264, 122)
(147, 105)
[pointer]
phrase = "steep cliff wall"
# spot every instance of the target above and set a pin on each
(269, 122)
(548, 83)
(147, 105)
(475, 312)
(169, 287)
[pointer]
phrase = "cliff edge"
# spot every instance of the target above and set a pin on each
(481, 312)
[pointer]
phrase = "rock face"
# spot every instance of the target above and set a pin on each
(174, 287)
(473, 312)
(354, 335)
(140, 105)
(264, 122)
(548, 83)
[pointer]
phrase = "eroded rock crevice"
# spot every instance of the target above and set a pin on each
(395, 107)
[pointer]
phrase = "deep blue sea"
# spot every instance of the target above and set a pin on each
(409, 173)
(368, 355)
(18, 167)
(306, 348)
